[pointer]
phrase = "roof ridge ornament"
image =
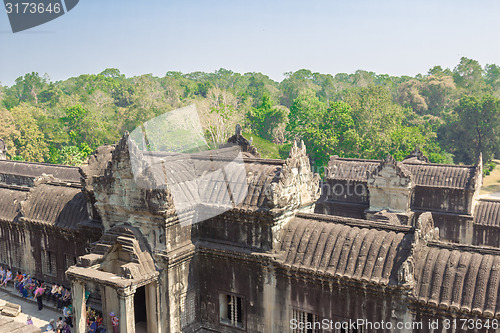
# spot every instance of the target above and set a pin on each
(238, 139)
(237, 129)
(417, 154)
(390, 159)
(401, 170)
(298, 184)
(298, 149)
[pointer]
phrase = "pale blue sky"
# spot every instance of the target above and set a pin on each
(396, 37)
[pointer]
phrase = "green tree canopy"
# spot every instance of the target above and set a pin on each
(474, 128)
(24, 138)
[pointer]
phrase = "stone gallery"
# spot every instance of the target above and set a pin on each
(379, 244)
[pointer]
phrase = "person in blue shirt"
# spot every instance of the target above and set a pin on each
(93, 326)
(52, 326)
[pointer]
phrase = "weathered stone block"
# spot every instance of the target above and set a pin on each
(11, 309)
(90, 259)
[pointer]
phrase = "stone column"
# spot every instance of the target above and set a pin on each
(79, 306)
(269, 296)
(105, 318)
(110, 304)
(151, 308)
(127, 317)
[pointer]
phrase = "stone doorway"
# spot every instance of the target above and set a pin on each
(140, 313)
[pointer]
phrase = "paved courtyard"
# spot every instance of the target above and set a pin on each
(28, 308)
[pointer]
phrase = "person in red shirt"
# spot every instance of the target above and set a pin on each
(98, 320)
(18, 280)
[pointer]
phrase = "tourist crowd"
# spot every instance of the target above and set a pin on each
(34, 289)
(31, 288)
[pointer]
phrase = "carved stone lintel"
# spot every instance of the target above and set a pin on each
(126, 292)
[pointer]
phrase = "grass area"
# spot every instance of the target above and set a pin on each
(491, 183)
(266, 148)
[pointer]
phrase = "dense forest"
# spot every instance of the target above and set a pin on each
(450, 114)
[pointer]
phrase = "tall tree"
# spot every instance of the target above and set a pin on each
(474, 128)
(326, 129)
(269, 121)
(376, 116)
(468, 74)
(296, 83)
(492, 77)
(25, 140)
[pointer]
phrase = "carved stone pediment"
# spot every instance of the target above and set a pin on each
(390, 186)
(297, 185)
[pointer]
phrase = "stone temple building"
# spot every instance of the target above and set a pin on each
(377, 246)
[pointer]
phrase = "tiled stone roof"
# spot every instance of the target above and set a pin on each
(209, 179)
(29, 171)
(351, 168)
(422, 174)
(10, 200)
(345, 248)
(455, 277)
(53, 204)
(487, 213)
(204, 178)
(60, 206)
(451, 176)
(459, 279)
